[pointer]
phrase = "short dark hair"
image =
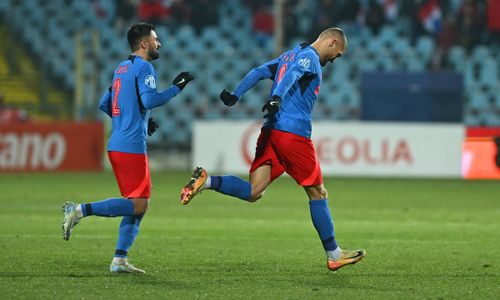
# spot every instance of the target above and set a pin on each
(136, 32)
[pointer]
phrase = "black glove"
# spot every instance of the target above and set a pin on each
(272, 105)
(182, 79)
(152, 126)
(228, 98)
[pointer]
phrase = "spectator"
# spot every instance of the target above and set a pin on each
(125, 14)
(326, 16)
(448, 35)
(375, 17)
(469, 25)
(493, 20)
(205, 13)
(10, 115)
(99, 11)
(408, 18)
(390, 10)
(349, 11)
(153, 12)
(289, 23)
(263, 25)
(430, 16)
(181, 12)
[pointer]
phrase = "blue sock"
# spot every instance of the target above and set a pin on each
(322, 220)
(129, 228)
(109, 208)
(232, 186)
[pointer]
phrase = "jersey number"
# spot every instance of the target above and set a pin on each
(281, 72)
(115, 109)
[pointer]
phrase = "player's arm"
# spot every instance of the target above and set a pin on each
(150, 97)
(294, 71)
(267, 70)
(105, 103)
(291, 73)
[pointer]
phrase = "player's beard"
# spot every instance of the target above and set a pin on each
(153, 53)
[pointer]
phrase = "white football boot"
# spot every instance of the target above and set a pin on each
(121, 265)
(71, 218)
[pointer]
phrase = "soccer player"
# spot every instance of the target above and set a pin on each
(284, 143)
(128, 102)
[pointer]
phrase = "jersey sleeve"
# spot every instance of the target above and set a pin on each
(303, 65)
(146, 85)
(267, 70)
(146, 79)
(105, 103)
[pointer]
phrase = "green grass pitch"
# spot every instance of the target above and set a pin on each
(430, 239)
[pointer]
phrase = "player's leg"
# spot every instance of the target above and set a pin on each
(323, 222)
(265, 168)
(299, 158)
(226, 184)
(128, 231)
(260, 178)
(137, 187)
(112, 207)
(234, 186)
(132, 174)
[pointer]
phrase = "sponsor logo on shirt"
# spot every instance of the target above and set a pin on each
(305, 63)
(122, 69)
(150, 81)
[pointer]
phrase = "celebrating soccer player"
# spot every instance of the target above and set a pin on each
(284, 143)
(128, 102)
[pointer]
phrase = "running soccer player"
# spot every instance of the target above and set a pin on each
(128, 102)
(284, 143)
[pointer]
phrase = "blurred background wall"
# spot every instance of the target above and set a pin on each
(408, 60)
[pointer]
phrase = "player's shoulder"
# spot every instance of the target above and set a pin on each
(306, 51)
(144, 65)
(307, 57)
(139, 65)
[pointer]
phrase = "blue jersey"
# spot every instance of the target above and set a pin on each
(297, 79)
(128, 102)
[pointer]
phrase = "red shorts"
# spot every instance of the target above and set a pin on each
(132, 174)
(289, 152)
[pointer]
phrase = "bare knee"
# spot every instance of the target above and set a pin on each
(316, 192)
(255, 196)
(323, 193)
(140, 205)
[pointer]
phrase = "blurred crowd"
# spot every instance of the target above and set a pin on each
(466, 23)
(463, 22)
(450, 22)
(169, 13)
(10, 114)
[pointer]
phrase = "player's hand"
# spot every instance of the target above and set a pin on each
(152, 126)
(228, 98)
(182, 79)
(272, 105)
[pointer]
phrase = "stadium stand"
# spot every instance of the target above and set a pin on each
(22, 82)
(226, 48)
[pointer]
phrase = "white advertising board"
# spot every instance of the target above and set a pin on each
(343, 148)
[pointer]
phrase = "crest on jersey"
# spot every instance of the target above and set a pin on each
(305, 63)
(150, 81)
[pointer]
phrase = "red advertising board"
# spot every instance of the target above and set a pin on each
(65, 146)
(480, 152)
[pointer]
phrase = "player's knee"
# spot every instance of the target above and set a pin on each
(324, 193)
(255, 196)
(140, 206)
(316, 192)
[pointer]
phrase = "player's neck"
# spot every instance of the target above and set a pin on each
(141, 54)
(317, 46)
